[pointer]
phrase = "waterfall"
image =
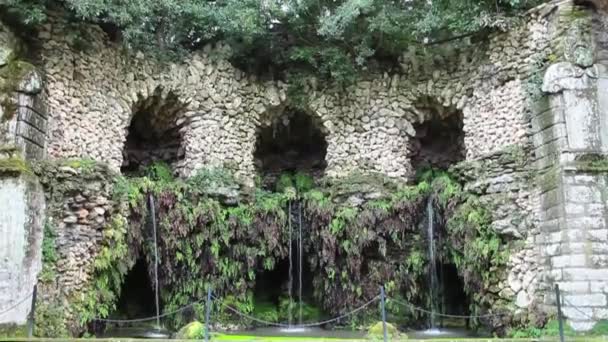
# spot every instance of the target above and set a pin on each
(299, 259)
(153, 218)
(433, 282)
(300, 262)
(290, 285)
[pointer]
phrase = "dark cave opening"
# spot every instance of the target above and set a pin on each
(439, 141)
(294, 142)
(453, 298)
(137, 293)
(154, 134)
(271, 291)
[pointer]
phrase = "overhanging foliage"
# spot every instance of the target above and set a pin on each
(333, 39)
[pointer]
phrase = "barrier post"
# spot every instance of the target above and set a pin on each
(382, 307)
(30, 323)
(559, 313)
(207, 314)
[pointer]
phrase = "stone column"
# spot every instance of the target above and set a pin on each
(22, 137)
(21, 226)
(571, 140)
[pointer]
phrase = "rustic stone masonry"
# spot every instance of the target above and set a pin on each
(538, 159)
(94, 92)
(503, 180)
(79, 210)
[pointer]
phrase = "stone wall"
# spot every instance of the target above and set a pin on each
(21, 219)
(93, 93)
(94, 90)
(78, 212)
(529, 160)
(504, 182)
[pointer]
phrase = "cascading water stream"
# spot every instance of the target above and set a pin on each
(299, 258)
(300, 262)
(433, 282)
(290, 284)
(153, 219)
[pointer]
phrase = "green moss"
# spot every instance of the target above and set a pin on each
(191, 331)
(49, 254)
(592, 163)
(377, 330)
(14, 166)
(266, 310)
(13, 73)
(10, 76)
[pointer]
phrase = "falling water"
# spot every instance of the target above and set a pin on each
(290, 285)
(153, 217)
(433, 283)
(300, 263)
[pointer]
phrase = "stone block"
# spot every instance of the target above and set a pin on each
(598, 286)
(553, 249)
(595, 209)
(581, 325)
(599, 235)
(590, 300)
(582, 194)
(551, 198)
(574, 286)
(564, 261)
(577, 313)
(585, 222)
(600, 313)
(581, 274)
(574, 208)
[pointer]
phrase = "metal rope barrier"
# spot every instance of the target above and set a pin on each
(307, 325)
(413, 307)
(16, 304)
(370, 302)
(148, 318)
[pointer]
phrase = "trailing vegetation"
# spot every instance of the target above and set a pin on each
(332, 39)
(352, 244)
(360, 231)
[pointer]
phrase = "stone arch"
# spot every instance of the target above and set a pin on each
(155, 130)
(290, 139)
(439, 135)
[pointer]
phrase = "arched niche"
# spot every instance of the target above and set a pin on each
(439, 139)
(292, 141)
(154, 132)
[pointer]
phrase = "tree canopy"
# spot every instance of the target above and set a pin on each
(332, 38)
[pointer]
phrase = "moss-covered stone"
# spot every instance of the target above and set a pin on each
(10, 77)
(191, 331)
(377, 330)
(591, 163)
(14, 166)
